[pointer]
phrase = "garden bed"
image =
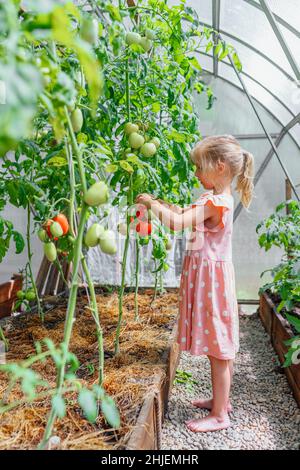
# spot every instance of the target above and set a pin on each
(280, 330)
(139, 378)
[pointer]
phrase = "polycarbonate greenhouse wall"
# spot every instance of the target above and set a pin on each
(266, 35)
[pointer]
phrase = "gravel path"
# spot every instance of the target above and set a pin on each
(265, 413)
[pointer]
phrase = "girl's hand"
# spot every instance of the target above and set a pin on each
(145, 199)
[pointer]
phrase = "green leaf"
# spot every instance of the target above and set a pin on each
(295, 321)
(19, 241)
(87, 401)
(110, 411)
(59, 405)
(57, 161)
(156, 107)
(111, 168)
(126, 166)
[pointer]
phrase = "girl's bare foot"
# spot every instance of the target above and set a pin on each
(207, 404)
(209, 423)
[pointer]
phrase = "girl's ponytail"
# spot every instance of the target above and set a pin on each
(244, 183)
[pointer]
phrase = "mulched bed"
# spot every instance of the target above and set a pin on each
(129, 376)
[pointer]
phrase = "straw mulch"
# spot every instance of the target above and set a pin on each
(129, 376)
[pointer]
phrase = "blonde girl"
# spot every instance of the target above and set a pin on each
(208, 309)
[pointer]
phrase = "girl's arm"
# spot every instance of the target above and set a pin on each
(190, 218)
(173, 207)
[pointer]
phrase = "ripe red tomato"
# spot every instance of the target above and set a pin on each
(141, 212)
(63, 222)
(144, 229)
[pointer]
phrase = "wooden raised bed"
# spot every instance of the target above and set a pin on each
(8, 294)
(148, 364)
(147, 433)
(279, 330)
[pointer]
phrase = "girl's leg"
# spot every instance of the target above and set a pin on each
(218, 417)
(207, 403)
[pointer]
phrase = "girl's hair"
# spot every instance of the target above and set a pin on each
(227, 149)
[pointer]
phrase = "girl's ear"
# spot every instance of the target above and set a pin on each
(221, 166)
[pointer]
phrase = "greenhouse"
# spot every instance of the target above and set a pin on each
(149, 225)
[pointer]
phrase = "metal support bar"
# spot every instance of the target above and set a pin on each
(256, 100)
(266, 161)
(282, 103)
(216, 27)
(251, 136)
(252, 48)
(277, 18)
(262, 125)
(280, 37)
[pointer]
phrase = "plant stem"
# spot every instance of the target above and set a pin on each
(69, 320)
(72, 188)
(29, 254)
(74, 283)
(137, 268)
(95, 314)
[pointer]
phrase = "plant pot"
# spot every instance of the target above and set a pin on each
(8, 294)
(279, 329)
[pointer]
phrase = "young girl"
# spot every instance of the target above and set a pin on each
(208, 321)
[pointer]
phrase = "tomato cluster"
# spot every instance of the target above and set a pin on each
(53, 229)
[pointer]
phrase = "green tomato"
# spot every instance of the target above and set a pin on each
(150, 34)
(97, 194)
(71, 239)
(56, 229)
(148, 149)
(133, 38)
(165, 267)
(77, 120)
(136, 140)
(89, 30)
(30, 295)
(42, 234)
(144, 240)
(20, 295)
(129, 128)
(146, 44)
(82, 138)
(93, 234)
(50, 251)
(155, 141)
(107, 242)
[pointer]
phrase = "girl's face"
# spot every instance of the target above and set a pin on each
(206, 179)
(209, 178)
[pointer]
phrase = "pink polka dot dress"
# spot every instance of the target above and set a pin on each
(208, 320)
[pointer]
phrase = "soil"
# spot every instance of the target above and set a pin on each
(128, 376)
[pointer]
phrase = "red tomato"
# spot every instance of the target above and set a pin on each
(144, 229)
(141, 211)
(63, 222)
(47, 228)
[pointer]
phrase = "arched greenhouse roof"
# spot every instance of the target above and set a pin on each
(266, 36)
